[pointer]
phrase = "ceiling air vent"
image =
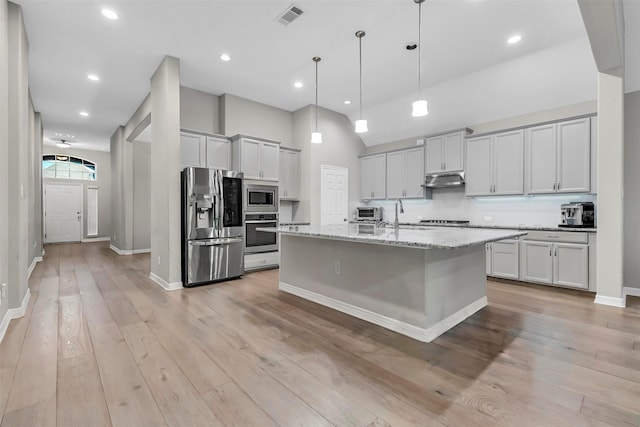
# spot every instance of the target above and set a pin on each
(289, 15)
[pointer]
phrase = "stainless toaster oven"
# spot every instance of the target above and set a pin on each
(368, 213)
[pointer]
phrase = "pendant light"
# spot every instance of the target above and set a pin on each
(361, 125)
(420, 106)
(316, 137)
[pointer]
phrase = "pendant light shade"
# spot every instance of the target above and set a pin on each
(316, 137)
(361, 124)
(63, 144)
(420, 106)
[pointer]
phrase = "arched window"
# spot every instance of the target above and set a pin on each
(61, 166)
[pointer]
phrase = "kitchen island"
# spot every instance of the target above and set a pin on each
(419, 283)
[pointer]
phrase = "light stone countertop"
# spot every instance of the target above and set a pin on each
(423, 237)
(295, 223)
(498, 227)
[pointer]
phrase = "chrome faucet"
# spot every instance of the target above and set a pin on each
(395, 223)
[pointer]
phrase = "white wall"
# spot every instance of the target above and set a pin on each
(4, 153)
(632, 190)
(247, 117)
(199, 110)
(141, 195)
(103, 182)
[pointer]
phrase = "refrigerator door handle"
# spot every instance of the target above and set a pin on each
(216, 242)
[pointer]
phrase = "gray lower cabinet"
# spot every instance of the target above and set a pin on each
(503, 259)
(556, 263)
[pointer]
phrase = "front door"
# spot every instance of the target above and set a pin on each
(334, 202)
(63, 212)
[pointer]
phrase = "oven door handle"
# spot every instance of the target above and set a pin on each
(260, 222)
(216, 242)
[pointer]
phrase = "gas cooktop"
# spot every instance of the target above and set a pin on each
(444, 221)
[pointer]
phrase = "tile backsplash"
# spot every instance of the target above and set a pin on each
(538, 210)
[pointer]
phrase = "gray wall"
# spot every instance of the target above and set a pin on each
(35, 183)
(19, 192)
(632, 190)
(103, 182)
(199, 110)
(582, 108)
(141, 195)
(4, 157)
(243, 116)
(340, 146)
(165, 173)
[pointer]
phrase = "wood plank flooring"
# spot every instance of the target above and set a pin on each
(102, 345)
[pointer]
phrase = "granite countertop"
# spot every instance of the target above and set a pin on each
(423, 237)
(499, 227)
(295, 223)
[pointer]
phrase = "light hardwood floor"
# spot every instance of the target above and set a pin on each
(102, 345)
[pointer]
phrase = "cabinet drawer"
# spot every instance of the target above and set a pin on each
(557, 236)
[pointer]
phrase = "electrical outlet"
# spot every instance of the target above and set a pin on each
(3, 292)
(488, 219)
(420, 141)
(337, 267)
(114, 238)
(158, 261)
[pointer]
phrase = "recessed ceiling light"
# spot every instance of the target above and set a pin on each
(93, 77)
(108, 13)
(347, 102)
(225, 57)
(84, 114)
(514, 39)
(298, 84)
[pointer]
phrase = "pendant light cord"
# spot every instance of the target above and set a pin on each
(316, 92)
(360, 49)
(419, 49)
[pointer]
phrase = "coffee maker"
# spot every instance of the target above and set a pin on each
(577, 214)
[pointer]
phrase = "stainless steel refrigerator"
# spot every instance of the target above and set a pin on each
(212, 229)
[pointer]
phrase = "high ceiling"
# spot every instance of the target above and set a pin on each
(470, 73)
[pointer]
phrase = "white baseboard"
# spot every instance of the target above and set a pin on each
(167, 286)
(415, 332)
(14, 313)
(612, 301)
(96, 239)
(120, 251)
(628, 290)
(33, 265)
(129, 251)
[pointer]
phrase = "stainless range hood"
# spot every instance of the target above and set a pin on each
(444, 180)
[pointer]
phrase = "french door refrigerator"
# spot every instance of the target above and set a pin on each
(212, 229)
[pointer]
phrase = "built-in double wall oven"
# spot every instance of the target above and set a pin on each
(261, 210)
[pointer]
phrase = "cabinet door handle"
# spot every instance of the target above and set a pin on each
(555, 186)
(555, 251)
(444, 166)
(549, 250)
(558, 187)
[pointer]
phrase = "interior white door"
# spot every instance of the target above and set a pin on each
(63, 213)
(334, 198)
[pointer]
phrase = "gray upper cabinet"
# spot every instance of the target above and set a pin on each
(289, 175)
(218, 153)
(405, 173)
(373, 170)
(559, 157)
(495, 164)
(445, 153)
(192, 150)
(205, 151)
(257, 159)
